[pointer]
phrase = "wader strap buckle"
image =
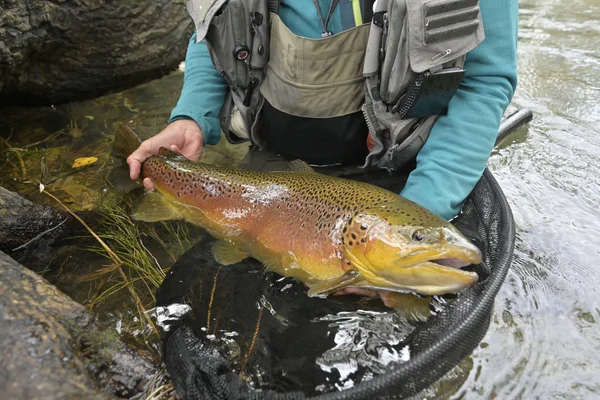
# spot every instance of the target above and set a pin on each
(379, 18)
(256, 18)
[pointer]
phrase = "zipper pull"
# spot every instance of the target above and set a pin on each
(249, 90)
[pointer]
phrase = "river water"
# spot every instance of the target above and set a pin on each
(544, 339)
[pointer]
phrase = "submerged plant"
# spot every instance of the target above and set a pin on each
(131, 242)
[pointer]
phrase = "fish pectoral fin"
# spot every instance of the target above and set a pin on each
(299, 165)
(153, 207)
(410, 306)
(325, 287)
(226, 253)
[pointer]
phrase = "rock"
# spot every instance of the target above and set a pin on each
(50, 347)
(23, 223)
(54, 51)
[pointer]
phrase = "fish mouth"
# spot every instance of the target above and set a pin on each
(426, 278)
(452, 256)
(432, 271)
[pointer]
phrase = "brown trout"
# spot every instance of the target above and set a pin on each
(328, 232)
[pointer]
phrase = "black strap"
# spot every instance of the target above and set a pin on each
(273, 6)
(368, 11)
(325, 24)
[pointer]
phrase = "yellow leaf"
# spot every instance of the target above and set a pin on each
(83, 161)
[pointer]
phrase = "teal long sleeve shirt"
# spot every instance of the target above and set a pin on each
(456, 152)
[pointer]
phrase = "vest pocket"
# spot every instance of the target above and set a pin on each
(440, 31)
(424, 44)
(229, 43)
(434, 34)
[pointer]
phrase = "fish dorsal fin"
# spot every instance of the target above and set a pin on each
(226, 253)
(153, 207)
(325, 287)
(163, 151)
(299, 165)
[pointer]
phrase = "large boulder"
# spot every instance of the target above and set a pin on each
(54, 51)
(50, 347)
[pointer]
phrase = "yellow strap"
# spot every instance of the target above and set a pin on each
(357, 14)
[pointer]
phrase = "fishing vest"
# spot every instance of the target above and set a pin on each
(400, 70)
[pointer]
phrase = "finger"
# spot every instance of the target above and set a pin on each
(358, 291)
(388, 299)
(340, 292)
(135, 167)
(136, 159)
(148, 184)
(175, 148)
(145, 150)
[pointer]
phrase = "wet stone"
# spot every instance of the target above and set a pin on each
(50, 347)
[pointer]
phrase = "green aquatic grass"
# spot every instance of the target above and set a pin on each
(132, 242)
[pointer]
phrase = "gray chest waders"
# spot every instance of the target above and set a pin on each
(313, 93)
(411, 56)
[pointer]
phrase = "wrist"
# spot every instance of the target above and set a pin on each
(186, 124)
(189, 123)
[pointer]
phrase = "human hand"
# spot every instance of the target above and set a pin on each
(183, 136)
(388, 301)
(406, 304)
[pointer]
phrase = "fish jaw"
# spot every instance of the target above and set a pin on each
(427, 278)
(389, 257)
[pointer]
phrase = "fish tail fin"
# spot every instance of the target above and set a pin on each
(126, 142)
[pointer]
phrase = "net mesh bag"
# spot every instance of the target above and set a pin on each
(202, 369)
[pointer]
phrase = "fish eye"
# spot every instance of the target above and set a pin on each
(418, 236)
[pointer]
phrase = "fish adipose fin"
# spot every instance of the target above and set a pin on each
(323, 288)
(299, 165)
(226, 253)
(153, 207)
